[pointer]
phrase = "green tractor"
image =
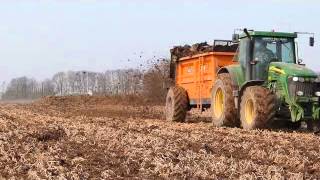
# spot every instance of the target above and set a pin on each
(268, 83)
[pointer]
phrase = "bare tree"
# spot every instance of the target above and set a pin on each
(2, 89)
(60, 81)
(152, 83)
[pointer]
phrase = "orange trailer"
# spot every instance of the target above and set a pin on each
(197, 74)
(194, 69)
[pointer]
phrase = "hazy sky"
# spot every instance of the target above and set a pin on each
(39, 38)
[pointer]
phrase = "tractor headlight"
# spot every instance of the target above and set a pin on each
(295, 79)
(300, 93)
(312, 79)
(317, 93)
(309, 79)
(301, 79)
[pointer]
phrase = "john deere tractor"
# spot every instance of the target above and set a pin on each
(268, 83)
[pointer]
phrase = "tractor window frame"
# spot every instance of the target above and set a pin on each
(277, 48)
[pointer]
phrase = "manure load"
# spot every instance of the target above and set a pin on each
(178, 52)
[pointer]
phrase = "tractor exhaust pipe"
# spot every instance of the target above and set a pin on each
(249, 58)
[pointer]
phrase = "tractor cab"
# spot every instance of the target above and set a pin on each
(258, 49)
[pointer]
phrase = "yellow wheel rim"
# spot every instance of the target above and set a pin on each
(249, 111)
(218, 103)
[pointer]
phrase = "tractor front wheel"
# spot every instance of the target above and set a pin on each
(177, 104)
(257, 107)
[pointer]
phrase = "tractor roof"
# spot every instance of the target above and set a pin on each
(270, 34)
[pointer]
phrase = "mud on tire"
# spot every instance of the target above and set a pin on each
(224, 112)
(258, 107)
(177, 104)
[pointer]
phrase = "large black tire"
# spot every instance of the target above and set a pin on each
(258, 107)
(177, 104)
(313, 126)
(224, 112)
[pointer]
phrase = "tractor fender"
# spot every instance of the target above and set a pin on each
(237, 78)
(235, 72)
(243, 88)
(238, 81)
(248, 84)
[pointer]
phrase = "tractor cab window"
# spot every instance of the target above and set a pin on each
(269, 49)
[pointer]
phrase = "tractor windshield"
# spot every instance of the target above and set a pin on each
(269, 49)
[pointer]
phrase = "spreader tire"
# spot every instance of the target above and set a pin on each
(177, 104)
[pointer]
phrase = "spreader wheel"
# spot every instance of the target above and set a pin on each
(177, 104)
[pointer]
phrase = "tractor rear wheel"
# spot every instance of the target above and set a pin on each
(224, 112)
(258, 107)
(177, 104)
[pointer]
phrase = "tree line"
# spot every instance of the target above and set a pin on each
(151, 83)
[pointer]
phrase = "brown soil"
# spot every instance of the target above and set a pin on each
(100, 138)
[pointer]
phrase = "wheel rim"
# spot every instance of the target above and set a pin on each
(249, 111)
(218, 103)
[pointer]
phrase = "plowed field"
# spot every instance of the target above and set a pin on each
(104, 138)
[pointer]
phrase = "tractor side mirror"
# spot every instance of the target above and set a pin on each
(311, 41)
(300, 62)
(235, 38)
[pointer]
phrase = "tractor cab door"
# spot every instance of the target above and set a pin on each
(255, 58)
(263, 54)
